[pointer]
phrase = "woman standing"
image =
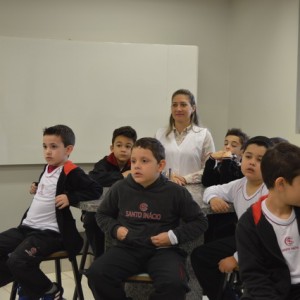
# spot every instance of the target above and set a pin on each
(187, 145)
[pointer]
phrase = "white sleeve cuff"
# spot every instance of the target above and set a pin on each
(172, 237)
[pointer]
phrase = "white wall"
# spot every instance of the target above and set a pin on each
(263, 73)
(203, 23)
(247, 60)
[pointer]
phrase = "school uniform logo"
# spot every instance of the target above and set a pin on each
(289, 241)
(143, 213)
(144, 207)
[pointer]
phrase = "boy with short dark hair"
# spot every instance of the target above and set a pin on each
(142, 213)
(212, 260)
(222, 167)
(267, 234)
(48, 225)
(107, 171)
(225, 165)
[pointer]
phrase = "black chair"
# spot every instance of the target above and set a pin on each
(233, 286)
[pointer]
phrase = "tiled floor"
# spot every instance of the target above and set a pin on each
(68, 284)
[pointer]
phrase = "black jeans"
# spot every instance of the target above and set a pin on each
(295, 292)
(205, 261)
(93, 233)
(166, 267)
(21, 251)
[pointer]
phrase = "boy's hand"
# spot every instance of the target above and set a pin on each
(219, 205)
(161, 240)
(33, 188)
(219, 155)
(61, 201)
(228, 264)
(121, 233)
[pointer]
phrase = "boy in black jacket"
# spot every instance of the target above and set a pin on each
(222, 167)
(268, 233)
(48, 225)
(225, 165)
(142, 213)
(107, 171)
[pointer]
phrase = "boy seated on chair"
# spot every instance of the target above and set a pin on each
(213, 260)
(267, 234)
(222, 167)
(107, 171)
(142, 213)
(48, 225)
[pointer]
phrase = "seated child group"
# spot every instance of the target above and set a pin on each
(251, 188)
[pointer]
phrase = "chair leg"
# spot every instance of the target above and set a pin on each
(77, 279)
(58, 271)
(13, 292)
(84, 254)
(82, 264)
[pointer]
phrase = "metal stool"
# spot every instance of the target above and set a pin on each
(57, 256)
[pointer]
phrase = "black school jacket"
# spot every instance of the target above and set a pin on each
(78, 186)
(262, 266)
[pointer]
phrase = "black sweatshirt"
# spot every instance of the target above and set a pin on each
(146, 212)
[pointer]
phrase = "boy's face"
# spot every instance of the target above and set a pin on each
(290, 192)
(251, 160)
(233, 144)
(121, 148)
(55, 153)
(144, 167)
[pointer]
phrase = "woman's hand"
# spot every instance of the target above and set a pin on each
(178, 179)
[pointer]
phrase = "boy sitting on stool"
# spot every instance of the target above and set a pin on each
(143, 213)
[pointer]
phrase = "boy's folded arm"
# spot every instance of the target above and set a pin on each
(193, 223)
(107, 215)
(104, 177)
(223, 191)
(219, 205)
(107, 223)
(191, 230)
(210, 175)
(82, 188)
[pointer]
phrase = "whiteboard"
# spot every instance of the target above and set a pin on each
(93, 87)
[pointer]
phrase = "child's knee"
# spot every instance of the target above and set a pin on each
(178, 286)
(16, 262)
(95, 272)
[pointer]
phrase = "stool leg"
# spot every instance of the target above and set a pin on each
(13, 292)
(82, 263)
(84, 255)
(58, 271)
(77, 279)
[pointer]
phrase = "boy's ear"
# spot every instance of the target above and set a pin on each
(280, 183)
(111, 148)
(69, 149)
(161, 165)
